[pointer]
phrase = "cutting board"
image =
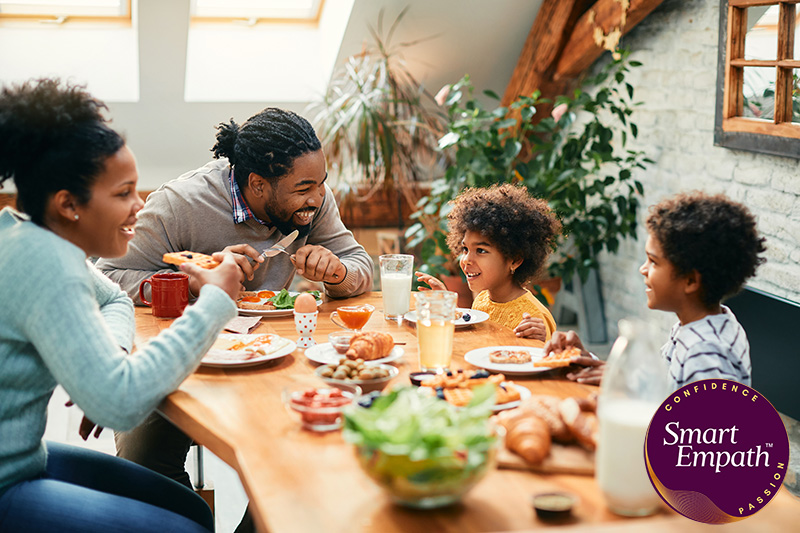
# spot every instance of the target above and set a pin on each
(563, 459)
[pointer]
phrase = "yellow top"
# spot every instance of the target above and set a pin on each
(509, 314)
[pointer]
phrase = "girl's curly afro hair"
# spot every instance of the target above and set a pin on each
(711, 234)
(518, 225)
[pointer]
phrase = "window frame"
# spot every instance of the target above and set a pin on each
(256, 18)
(731, 130)
(63, 17)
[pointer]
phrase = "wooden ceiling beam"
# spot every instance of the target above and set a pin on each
(598, 29)
(549, 34)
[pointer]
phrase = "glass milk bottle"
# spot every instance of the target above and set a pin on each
(635, 382)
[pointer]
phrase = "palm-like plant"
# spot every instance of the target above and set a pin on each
(374, 123)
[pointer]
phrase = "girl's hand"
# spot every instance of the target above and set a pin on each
(432, 282)
(227, 275)
(531, 328)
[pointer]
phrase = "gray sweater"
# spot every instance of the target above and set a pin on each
(195, 213)
(63, 322)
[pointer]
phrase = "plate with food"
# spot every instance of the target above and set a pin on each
(456, 388)
(326, 354)
(231, 349)
(464, 317)
(270, 303)
(516, 360)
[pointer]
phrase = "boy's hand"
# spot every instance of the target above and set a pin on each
(531, 328)
(432, 282)
(560, 341)
(591, 374)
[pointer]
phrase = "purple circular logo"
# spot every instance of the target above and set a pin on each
(716, 451)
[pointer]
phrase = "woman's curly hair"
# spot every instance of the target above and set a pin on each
(53, 136)
(517, 224)
(711, 234)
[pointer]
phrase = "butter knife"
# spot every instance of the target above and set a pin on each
(280, 246)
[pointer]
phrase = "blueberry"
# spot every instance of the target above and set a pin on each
(440, 393)
(465, 317)
(367, 399)
(449, 373)
(480, 374)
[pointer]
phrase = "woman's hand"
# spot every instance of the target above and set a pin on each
(531, 328)
(241, 253)
(432, 282)
(227, 275)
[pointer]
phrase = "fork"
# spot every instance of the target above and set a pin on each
(274, 250)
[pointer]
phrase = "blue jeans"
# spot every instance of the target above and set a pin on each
(87, 491)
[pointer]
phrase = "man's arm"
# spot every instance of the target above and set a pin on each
(330, 232)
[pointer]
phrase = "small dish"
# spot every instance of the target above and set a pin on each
(320, 408)
(325, 354)
(366, 385)
(553, 505)
(417, 378)
(340, 340)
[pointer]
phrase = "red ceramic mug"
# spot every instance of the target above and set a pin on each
(170, 293)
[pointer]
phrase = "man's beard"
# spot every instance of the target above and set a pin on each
(286, 226)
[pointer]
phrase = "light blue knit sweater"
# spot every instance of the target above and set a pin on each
(63, 322)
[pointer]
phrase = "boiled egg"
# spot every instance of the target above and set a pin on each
(305, 303)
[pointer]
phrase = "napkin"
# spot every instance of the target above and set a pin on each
(242, 324)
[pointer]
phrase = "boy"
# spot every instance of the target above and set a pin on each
(700, 249)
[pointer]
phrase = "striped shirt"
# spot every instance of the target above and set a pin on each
(713, 347)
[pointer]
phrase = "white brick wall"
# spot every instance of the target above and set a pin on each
(677, 45)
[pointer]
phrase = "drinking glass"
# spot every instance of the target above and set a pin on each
(396, 270)
(436, 314)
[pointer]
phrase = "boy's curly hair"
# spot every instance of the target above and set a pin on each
(517, 224)
(711, 234)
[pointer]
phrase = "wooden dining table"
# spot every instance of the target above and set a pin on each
(299, 481)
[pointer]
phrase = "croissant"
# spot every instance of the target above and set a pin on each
(580, 417)
(370, 345)
(546, 408)
(528, 436)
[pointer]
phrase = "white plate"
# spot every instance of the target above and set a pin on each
(480, 358)
(524, 394)
(223, 363)
(271, 312)
(326, 354)
(475, 317)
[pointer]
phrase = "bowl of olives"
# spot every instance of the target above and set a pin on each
(350, 372)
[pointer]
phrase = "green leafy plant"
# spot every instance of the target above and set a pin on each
(576, 159)
(378, 125)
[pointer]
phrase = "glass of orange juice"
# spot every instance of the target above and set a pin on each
(353, 317)
(436, 314)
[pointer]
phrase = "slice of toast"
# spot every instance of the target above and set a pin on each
(556, 360)
(179, 258)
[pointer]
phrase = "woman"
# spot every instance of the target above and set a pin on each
(62, 322)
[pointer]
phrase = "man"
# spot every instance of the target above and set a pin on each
(268, 180)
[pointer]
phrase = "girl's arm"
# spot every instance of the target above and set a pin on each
(432, 282)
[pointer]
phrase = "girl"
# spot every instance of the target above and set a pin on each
(62, 322)
(505, 237)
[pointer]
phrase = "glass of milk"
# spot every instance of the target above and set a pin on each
(635, 382)
(396, 270)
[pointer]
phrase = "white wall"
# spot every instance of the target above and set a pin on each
(677, 45)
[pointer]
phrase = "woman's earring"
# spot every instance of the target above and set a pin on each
(76, 217)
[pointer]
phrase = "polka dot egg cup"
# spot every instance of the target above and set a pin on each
(306, 324)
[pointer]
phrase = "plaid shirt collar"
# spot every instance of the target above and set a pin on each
(241, 211)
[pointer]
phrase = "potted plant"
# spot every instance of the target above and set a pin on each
(569, 159)
(379, 127)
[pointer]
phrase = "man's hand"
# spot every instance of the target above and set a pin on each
(317, 263)
(531, 328)
(242, 253)
(434, 283)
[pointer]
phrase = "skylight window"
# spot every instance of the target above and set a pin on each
(65, 9)
(256, 10)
